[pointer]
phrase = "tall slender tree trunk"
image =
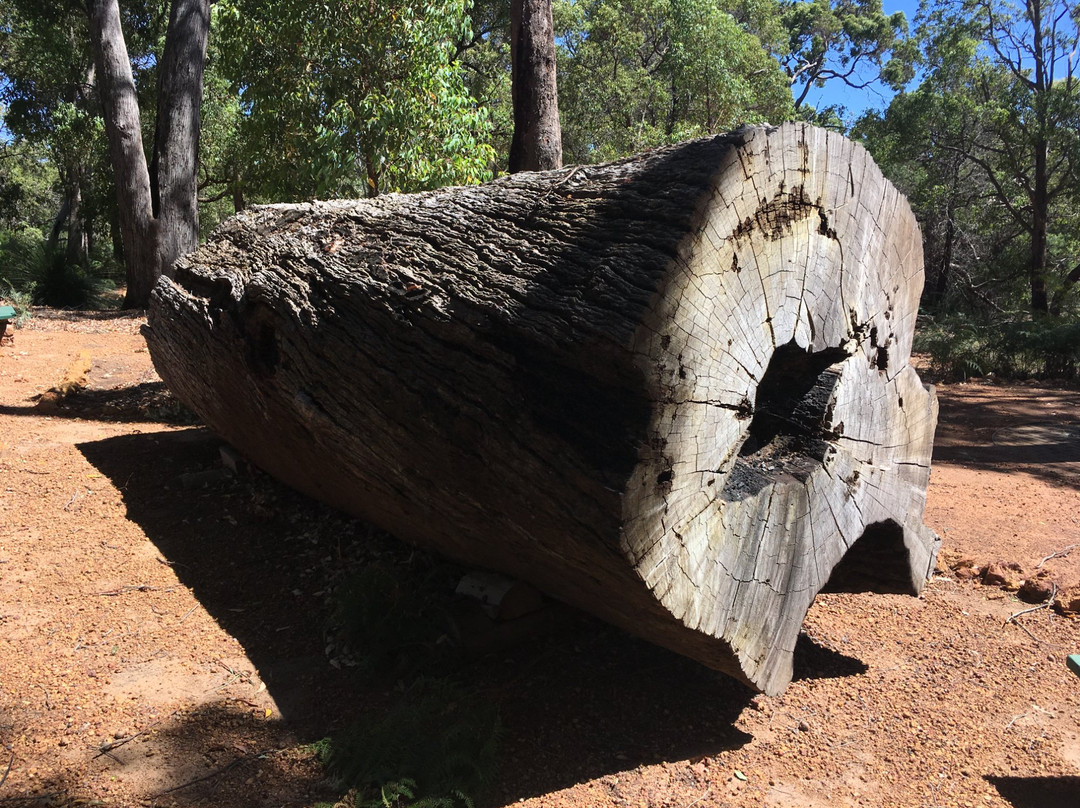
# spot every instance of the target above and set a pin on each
(77, 252)
(1040, 213)
(174, 165)
(138, 229)
(58, 225)
(537, 141)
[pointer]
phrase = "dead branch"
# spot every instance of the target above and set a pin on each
(134, 588)
(214, 774)
(107, 748)
(1045, 605)
(1058, 554)
(7, 771)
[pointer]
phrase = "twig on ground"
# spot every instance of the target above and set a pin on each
(134, 588)
(699, 799)
(237, 675)
(1058, 554)
(1040, 607)
(187, 614)
(71, 501)
(214, 774)
(7, 771)
(106, 748)
(48, 706)
(1028, 632)
(1034, 708)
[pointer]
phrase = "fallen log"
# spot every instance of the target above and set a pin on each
(673, 390)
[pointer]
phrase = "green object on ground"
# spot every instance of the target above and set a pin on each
(7, 312)
(1073, 661)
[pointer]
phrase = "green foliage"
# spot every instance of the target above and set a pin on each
(20, 301)
(28, 181)
(433, 746)
(962, 347)
(31, 272)
(848, 41)
(353, 97)
(987, 149)
(65, 285)
(634, 74)
(22, 259)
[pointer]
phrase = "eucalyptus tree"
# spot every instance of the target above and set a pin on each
(352, 97)
(852, 42)
(157, 207)
(638, 73)
(48, 90)
(988, 147)
(537, 140)
(1029, 151)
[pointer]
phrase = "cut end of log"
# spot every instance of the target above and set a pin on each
(674, 390)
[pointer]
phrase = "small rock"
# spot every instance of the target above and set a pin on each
(1006, 575)
(804, 727)
(1068, 600)
(1037, 589)
(966, 573)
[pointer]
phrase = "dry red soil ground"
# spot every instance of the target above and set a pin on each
(162, 628)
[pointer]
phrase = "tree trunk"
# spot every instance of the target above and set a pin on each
(77, 252)
(176, 139)
(1040, 215)
(138, 229)
(158, 208)
(58, 225)
(537, 140)
(673, 390)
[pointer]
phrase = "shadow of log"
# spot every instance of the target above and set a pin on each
(580, 702)
(1038, 792)
(215, 755)
(148, 402)
(1012, 430)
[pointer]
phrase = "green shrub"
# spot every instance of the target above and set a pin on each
(435, 745)
(961, 347)
(22, 259)
(28, 267)
(18, 300)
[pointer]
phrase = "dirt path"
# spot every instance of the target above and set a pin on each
(162, 630)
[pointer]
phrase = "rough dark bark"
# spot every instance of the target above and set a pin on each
(58, 225)
(77, 251)
(537, 139)
(673, 390)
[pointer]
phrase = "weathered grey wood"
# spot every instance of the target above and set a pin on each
(673, 390)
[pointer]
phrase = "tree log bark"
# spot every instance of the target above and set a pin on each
(672, 390)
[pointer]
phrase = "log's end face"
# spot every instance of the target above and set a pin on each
(789, 430)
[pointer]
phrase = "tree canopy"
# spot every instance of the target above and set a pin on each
(352, 97)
